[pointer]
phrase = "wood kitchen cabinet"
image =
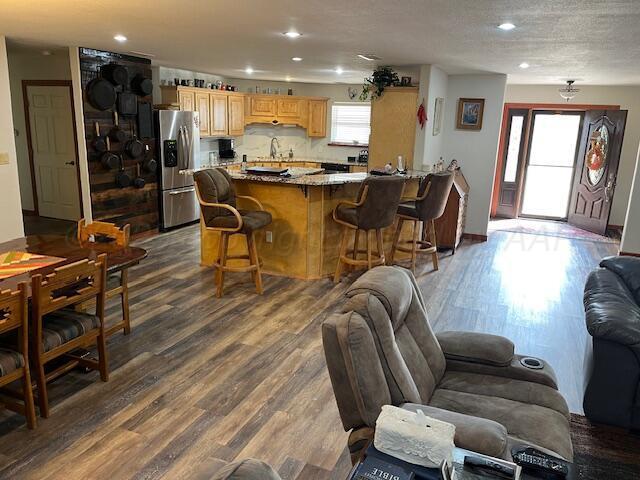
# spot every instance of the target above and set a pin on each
(235, 107)
(187, 100)
(219, 111)
(262, 106)
(289, 107)
(317, 126)
(203, 108)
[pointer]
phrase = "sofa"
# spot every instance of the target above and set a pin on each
(381, 350)
(612, 314)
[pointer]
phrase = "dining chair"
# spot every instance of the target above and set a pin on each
(118, 282)
(57, 329)
(425, 208)
(14, 358)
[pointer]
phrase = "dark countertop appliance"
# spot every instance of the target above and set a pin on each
(334, 168)
(226, 148)
(363, 156)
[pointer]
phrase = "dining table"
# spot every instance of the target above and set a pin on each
(22, 258)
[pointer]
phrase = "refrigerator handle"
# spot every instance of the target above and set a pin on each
(189, 142)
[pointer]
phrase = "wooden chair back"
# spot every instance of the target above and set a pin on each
(14, 314)
(68, 285)
(92, 231)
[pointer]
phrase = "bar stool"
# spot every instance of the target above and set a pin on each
(374, 209)
(217, 197)
(426, 208)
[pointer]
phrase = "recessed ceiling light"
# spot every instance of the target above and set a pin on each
(288, 78)
(248, 70)
(524, 65)
(339, 70)
(47, 53)
(297, 59)
(120, 38)
(506, 26)
(292, 34)
(368, 57)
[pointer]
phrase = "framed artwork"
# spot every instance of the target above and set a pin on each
(405, 81)
(438, 111)
(470, 111)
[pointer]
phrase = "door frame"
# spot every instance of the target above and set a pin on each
(27, 121)
(523, 179)
(566, 107)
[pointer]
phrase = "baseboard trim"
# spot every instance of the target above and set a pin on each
(629, 254)
(475, 237)
(30, 213)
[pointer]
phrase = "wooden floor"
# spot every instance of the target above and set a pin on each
(202, 381)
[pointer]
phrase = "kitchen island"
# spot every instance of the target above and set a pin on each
(303, 239)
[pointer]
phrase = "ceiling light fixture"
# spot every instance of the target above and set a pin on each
(524, 65)
(297, 59)
(368, 57)
(339, 70)
(569, 92)
(47, 53)
(120, 38)
(248, 70)
(288, 78)
(506, 26)
(292, 34)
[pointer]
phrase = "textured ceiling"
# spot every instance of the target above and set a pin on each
(593, 41)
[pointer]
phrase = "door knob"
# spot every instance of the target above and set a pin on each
(70, 163)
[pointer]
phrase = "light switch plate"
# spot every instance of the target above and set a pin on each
(4, 158)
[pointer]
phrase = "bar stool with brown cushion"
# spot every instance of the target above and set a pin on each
(426, 208)
(57, 329)
(14, 358)
(117, 282)
(219, 212)
(374, 209)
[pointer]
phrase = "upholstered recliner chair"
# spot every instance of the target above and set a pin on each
(382, 351)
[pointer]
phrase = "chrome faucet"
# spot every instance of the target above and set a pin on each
(274, 151)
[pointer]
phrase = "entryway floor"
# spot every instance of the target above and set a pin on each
(550, 228)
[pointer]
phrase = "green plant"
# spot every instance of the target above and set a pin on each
(381, 78)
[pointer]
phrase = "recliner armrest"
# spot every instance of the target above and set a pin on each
(472, 433)
(475, 347)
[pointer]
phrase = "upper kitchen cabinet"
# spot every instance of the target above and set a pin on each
(317, 126)
(221, 113)
(236, 114)
(306, 112)
(186, 99)
(203, 108)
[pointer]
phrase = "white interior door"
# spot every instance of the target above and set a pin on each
(53, 150)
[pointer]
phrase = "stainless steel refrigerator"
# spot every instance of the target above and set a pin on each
(179, 146)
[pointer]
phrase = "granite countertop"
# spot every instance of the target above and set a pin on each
(235, 161)
(307, 176)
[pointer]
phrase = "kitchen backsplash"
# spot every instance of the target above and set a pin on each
(256, 142)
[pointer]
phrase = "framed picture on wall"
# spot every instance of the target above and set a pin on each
(437, 116)
(470, 111)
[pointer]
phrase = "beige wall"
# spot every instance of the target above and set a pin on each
(628, 98)
(476, 151)
(10, 210)
(27, 64)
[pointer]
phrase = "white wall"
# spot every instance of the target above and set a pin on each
(27, 64)
(476, 151)
(627, 97)
(83, 162)
(434, 144)
(257, 138)
(10, 210)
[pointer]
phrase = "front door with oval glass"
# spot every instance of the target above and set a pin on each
(597, 169)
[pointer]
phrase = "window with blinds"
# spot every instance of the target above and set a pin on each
(351, 123)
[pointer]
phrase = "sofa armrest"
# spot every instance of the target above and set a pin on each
(475, 347)
(472, 433)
